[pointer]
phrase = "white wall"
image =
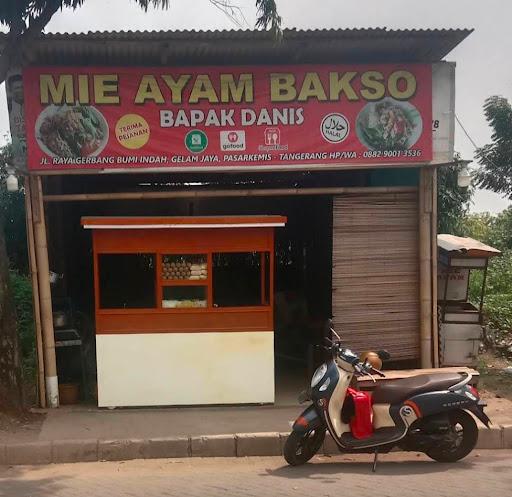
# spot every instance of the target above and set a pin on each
(443, 110)
(185, 368)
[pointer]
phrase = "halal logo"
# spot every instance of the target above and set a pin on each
(196, 141)
(335, 127)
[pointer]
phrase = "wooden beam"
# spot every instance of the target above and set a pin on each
(270, 192)
(45, 296)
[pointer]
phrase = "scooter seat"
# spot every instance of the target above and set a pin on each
(396, 391)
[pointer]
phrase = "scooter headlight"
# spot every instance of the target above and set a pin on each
(318, 375)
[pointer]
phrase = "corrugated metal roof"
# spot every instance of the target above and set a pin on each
(466, 246)
(248, 33)
(244, 46)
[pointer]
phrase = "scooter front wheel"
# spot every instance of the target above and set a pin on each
(301, 447)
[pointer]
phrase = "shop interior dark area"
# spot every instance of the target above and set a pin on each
(302, 260)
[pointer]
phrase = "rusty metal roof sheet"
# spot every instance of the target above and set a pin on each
(244, 46)
(465, 246)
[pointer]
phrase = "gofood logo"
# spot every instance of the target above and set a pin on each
(232, 140)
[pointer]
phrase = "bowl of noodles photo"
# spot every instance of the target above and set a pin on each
(389, 124)
(71, 131)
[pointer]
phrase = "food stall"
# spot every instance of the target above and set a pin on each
(339, 131)
(460, 328)
(184, 309)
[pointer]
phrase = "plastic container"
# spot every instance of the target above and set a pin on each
(361, 424)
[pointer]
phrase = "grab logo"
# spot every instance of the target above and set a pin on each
(232, 140)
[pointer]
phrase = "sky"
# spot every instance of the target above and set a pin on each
(483, 59)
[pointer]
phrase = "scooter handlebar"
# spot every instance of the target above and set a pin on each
(378, 372)
(367, 368)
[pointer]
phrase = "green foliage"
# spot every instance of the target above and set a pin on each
(496, 158)
(19, 15)
(12, 216)
(268, 16)
(478, 226)
(452, 201)
(497, 232)
(494, 230)
(22, 291)
(498, 309)
(499, 278)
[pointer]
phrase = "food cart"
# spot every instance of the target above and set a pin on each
(460, 327)
(184, 309)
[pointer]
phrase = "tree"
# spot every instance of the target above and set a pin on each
(452, 201)
(495, 158)
(11, 395)
(26, 19)
(494, 230)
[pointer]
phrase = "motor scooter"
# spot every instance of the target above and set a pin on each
(425, 413)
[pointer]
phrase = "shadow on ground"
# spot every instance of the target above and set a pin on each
(322, 470)
(22, 481)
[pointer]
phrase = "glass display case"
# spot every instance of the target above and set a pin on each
(166, 281)
(184, 297)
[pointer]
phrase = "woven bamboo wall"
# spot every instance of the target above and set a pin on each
(375, 299)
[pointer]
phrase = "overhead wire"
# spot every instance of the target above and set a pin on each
(473, 141)
(465, 132)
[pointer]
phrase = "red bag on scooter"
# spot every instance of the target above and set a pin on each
(361, 423)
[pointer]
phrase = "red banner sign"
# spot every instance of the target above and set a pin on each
(227, 117)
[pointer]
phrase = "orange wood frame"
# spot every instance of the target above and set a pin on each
(177, 241)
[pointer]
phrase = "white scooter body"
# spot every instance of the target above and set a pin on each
(335, 382)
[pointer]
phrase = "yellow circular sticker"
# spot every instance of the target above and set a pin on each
(132, 131)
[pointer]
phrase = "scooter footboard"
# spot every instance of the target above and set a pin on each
(308, 420)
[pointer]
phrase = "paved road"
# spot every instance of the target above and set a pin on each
(486, 473)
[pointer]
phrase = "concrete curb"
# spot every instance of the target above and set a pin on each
(237, 445)
(507, 436)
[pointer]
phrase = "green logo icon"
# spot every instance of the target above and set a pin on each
(196, 141)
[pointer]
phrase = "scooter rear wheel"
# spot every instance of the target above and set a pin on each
(465, 436)
(301, 447)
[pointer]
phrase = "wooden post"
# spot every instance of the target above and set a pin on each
(45, 296)
(272, 192)
(435, 321)
(425, 260)
(35, 295)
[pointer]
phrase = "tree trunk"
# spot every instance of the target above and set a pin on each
(11, 390)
